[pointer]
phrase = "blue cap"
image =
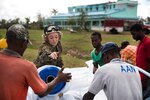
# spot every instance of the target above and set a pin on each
(109, 46)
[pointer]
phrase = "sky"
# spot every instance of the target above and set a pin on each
(10, 9)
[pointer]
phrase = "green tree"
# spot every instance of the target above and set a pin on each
(40, 21)
(15, 21)
(71, 22)
(12, 21)
(27, 19)
(82, 18)
(3, 23)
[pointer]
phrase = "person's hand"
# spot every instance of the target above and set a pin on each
(54, 55)
(64, 77)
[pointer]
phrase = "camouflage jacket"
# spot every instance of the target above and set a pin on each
(43, 57)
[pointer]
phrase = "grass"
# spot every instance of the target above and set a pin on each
(76, 46)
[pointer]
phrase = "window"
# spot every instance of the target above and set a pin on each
(57, 23)
(114, 6)
(95, 23)
(96, 8)
(104, 7)
(102, 23)
(110, 6)
(64, 23)
(73, 10)
(90, 8)
(86, 9)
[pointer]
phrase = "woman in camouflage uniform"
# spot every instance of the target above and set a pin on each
(50, 50)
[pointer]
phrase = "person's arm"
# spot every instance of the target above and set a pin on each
(60, 62)
(95, 67)
(149, 65)
(61, 77)
(88, 96)
(145, 80)
(43, 56)
(97, 85)
(46, 56)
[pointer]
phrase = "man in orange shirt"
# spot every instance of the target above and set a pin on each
(17, 74)
(128, 52)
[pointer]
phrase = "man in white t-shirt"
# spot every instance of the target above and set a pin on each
(118, 79)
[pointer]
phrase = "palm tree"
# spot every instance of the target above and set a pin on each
(54, 11)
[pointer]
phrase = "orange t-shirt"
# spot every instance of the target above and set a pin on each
(16, 75)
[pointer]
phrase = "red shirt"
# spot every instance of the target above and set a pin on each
(142, 54)
(16, 75)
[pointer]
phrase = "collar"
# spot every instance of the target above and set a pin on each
(11, 53)
(118, 60)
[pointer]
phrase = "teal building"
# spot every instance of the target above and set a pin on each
(96, 14)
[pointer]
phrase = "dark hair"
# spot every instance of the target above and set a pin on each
(97, 33)
(136, 27)
(124, 44)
